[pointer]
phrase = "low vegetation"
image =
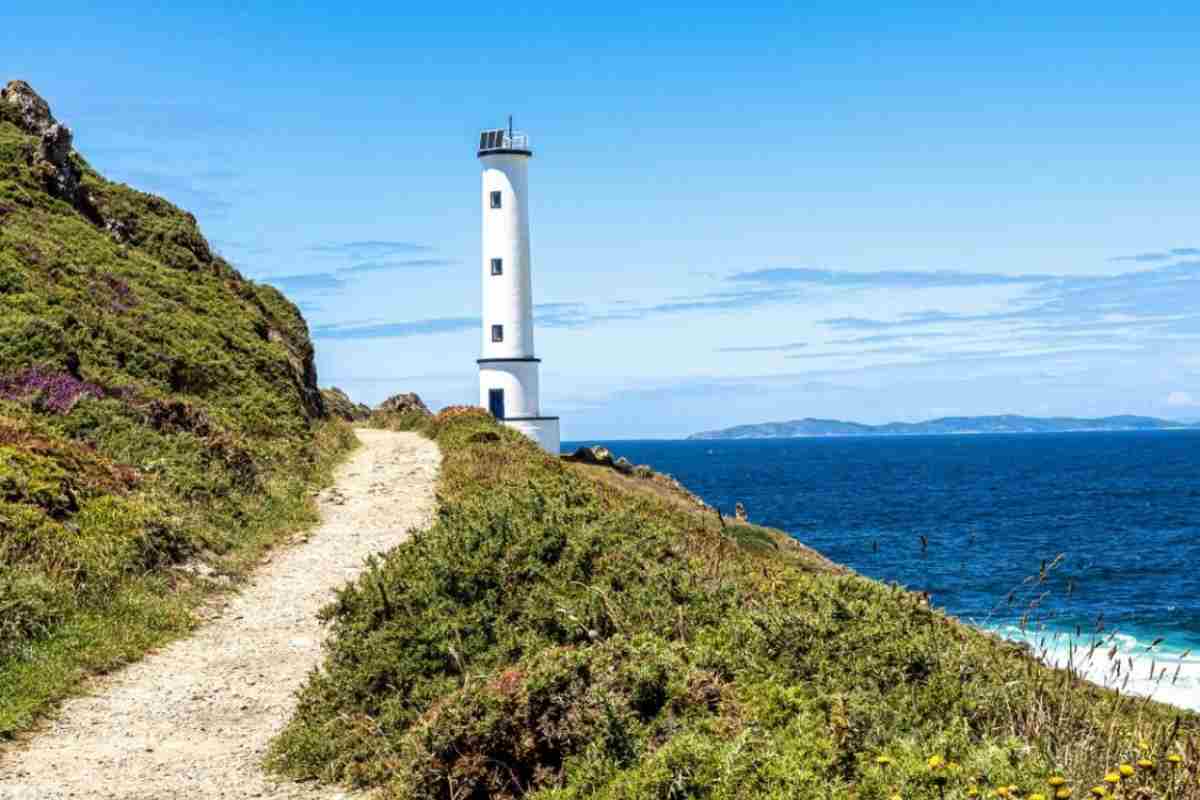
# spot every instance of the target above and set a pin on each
(562, 632)
(159, 419)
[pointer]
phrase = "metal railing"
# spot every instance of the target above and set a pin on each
(501, 139)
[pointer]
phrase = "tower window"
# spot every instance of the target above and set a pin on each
(497, 266)
(495, 199)
(497, 333)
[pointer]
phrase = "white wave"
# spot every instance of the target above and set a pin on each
(1118, 660)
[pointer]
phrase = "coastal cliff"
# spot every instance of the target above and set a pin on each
(160, 422)
(568, 630)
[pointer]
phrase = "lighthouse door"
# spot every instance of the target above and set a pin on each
(496, 402)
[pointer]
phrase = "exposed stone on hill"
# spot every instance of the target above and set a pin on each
(601, 456)
(135, 219)
(624, 466)
(400, 403)
(34, 112)
(592, 455)
(739, 511)
(53, 161)
(339, 404)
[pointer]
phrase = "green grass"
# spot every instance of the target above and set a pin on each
(156, 408)
(557, 635)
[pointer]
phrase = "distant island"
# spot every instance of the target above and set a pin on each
(1006, 423)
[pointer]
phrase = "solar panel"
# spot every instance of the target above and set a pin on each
(494, 140)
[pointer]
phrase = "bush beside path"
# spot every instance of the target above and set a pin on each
(194, 719)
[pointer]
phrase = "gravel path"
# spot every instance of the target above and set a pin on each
(194, 720)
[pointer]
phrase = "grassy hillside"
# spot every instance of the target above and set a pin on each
(563, 632)
(156, 409)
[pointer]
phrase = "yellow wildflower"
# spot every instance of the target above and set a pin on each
(1099, 791)
(973, 791)
(885, 761)
(1145, 763)
(936, 762)
(1112, 777)
(1002, 791)
(1063, 792)
(1126, 770)
(1037, 796)
(1175, 758)
(1143, 745)
(1057, 780)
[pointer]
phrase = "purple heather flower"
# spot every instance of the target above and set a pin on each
(58, 391)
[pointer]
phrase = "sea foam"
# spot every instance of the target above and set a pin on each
(1119, 661)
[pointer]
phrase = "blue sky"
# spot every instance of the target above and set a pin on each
(868, 212)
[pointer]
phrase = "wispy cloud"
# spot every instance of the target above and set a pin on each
(893, 350)
(391, 266)
(340, 278)
(1097, 308)
(245, 248)
(182, 190)
(766, 348)
(396, 330)
(371, 249)
(1167, 255)
(890, 279)
(883, 338)
(302, 283)
(1148, 298)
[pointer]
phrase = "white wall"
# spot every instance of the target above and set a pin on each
(543, 431)
(507, 298)
(518, 379)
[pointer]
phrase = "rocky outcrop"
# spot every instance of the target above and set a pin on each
(53, 160)
(338, 404)
(592, 455)
(601, 456)
(402, 403)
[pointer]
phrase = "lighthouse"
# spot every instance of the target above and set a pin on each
(508, 368)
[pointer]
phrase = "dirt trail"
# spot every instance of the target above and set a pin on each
(194, 720)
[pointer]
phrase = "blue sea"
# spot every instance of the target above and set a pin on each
(1113, 520)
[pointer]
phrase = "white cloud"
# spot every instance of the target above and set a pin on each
(1181, 400)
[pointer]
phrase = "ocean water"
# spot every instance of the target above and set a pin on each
(1113, 518)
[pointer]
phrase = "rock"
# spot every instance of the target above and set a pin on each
(33, 111)
(484, 437)
(598, 455)
(623, 465)
(400, 403)
(739, 511)
(54, 160)
(338, 404)
(302, 360)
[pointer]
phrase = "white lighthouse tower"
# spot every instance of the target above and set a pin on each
(508, 369)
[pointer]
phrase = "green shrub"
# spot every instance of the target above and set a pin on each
(552, 636)
(155, 406)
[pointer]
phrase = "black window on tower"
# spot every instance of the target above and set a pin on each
(497, 266)
(496, 199)
(497, 333)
